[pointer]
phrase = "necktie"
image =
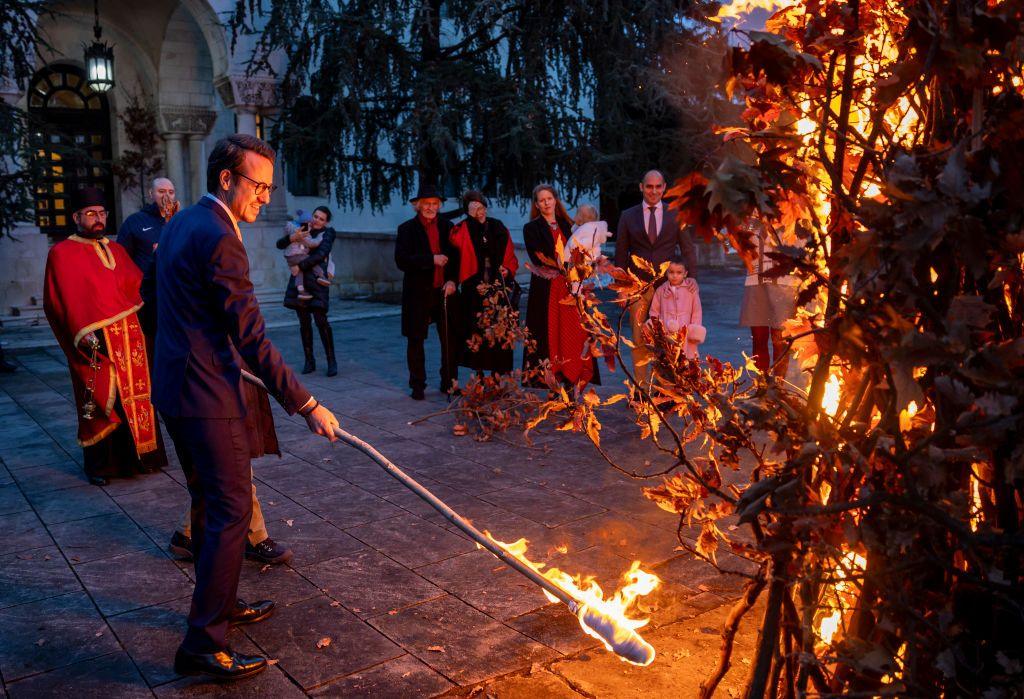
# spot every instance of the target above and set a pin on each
(652, 225)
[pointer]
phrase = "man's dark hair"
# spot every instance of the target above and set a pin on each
(327, 212)
(228, 154)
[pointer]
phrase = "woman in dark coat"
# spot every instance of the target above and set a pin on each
(545, 235)
(486, 255)
(314, 309)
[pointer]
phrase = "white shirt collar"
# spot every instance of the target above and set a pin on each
(231, 216)
(657, 207)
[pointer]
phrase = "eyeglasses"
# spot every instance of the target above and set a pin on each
(90, 215)
(261, 187)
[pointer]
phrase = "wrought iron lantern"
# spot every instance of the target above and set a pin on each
(99, 58)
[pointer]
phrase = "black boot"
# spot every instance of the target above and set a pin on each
(327, 337)
(306, 333)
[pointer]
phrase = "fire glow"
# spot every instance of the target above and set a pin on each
(605, 618)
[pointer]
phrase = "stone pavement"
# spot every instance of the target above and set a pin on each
(91, 603)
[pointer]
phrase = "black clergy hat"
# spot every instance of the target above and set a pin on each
(427, 191)
(88, 196)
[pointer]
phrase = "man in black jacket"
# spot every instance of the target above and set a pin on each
(140, 232)
(651, 231)
(139, 235)
(430, 265)
(208, 311)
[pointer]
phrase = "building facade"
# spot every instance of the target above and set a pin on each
(177, 56)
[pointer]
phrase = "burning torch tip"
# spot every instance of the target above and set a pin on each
(621, 640)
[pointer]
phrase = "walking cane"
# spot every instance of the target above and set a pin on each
(446, 344)
(618, 637)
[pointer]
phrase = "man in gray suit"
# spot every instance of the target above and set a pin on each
(652, 232)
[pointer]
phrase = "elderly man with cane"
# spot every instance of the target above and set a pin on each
(430, 267)
(206, 304)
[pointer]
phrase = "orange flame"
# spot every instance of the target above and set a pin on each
(839, 598)
(585, 589)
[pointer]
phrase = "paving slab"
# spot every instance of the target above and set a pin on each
(282, 584)
(163, 503)
(106, 536)
(313, 540)
(133, 580)
(464, 645)
(348, 506)
(55, 476)
(368, 583)
(316, 642)
(410, 540)
(541, 504)
(485, 583)
(11, 499)
(19, 454)
(72, 504)
(51, 634)
(22, 531)
(404, 677)
(112, 675)
(34, 575)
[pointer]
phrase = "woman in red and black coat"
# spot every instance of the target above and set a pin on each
(486, 255)
(555, 326)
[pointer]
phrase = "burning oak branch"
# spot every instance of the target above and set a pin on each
(881, 149)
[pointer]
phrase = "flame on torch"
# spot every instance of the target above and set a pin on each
(605, 618)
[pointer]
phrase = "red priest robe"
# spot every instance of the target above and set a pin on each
(93, 286)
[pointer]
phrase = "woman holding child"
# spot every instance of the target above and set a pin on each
(556, 326)
(310, 272)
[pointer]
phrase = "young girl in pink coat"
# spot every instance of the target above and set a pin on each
(678, 309)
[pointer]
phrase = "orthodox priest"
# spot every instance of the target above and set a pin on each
(91, 299)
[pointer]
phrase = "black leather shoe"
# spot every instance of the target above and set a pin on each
(251, 613)
(222, 665)
(309, 367)
(180, 546)
(417, 394)
(98, 480)
(268, 551)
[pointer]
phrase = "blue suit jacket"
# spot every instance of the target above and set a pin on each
(205, 303)
(631, 239)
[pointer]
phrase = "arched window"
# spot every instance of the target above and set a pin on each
(71, 146)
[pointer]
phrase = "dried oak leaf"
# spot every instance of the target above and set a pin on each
(437, 649)
(323, 642)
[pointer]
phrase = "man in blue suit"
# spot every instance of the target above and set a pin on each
(206, 312)
(651, 231)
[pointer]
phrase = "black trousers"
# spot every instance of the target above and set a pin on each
(447, 333)
(214, 454)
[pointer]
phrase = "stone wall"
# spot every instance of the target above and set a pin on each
(22, 264)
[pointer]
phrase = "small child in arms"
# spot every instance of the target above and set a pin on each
(298, 250)
(586, 213)
(589, 237)
(678, 308)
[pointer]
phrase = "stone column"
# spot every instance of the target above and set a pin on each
(277, 210)
(175, 165)
(182, 126)
(246, 121)
(197, 159)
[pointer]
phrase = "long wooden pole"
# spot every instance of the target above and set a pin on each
(447, 512)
